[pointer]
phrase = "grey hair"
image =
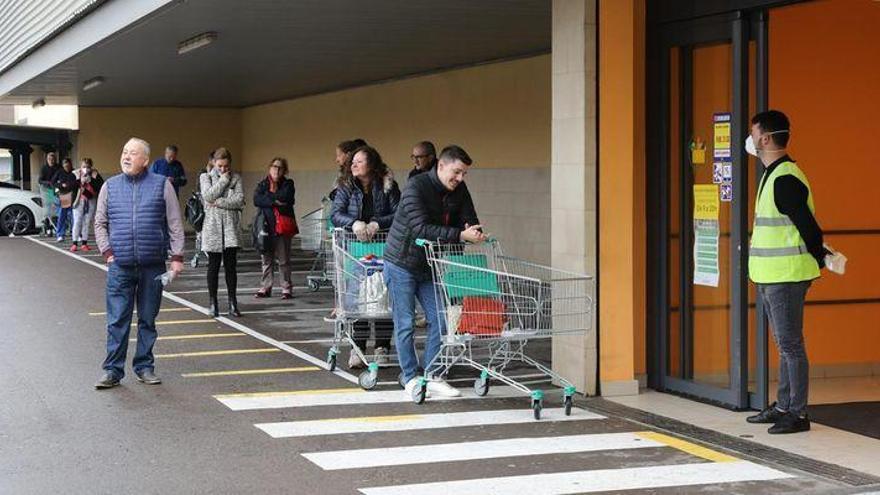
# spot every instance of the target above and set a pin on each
(143, 143)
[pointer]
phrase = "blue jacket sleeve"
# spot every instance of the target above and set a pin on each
(339, 212)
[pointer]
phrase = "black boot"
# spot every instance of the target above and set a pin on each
(233, 306)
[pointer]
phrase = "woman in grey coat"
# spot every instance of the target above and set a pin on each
(223, 195)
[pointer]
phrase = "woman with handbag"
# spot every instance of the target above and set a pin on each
(224, 199)
(365, 202)
(275, 196)
(66, 186)
(85, 204)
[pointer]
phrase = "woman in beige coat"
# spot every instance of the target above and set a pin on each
(223, 195)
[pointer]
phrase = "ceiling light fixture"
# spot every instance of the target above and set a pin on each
(196, 42)
(92, 83)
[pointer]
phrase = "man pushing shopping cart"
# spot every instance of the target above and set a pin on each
(435, 206)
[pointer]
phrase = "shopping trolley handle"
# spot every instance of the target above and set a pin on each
(424, 242)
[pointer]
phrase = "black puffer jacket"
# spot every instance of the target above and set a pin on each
(265, 200)
(348, 203)
(427, 211)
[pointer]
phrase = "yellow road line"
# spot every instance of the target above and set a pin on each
(197, 336)
(250, 372)
(180, 322)
(166, 310)
(289, 393)
(685, 446)
(216, 353)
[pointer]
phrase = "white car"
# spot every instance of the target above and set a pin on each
(21, 212)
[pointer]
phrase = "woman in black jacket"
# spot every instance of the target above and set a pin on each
(66, 186)
(275, 196)
(365, 202)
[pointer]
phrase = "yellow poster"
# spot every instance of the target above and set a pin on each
(706, 204)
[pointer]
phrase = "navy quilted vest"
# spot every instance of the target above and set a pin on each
(136, 214)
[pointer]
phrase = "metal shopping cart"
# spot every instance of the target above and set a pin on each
(494, 305)
(315, 235)
(361, 297)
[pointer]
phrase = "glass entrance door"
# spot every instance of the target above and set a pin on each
(701, 300)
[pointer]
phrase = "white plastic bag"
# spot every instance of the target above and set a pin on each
(373, 295)
(453, 316)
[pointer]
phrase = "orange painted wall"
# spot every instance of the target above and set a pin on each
(825, 74)
(622, 189)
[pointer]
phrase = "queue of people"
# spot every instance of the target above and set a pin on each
(366, 199)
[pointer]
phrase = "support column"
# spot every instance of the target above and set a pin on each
(622, 239)
(573, 171)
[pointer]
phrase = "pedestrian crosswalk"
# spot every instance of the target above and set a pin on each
(592, 481)
(404, 422)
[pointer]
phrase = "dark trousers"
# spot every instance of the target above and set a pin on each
(784, 305)
(230, 261)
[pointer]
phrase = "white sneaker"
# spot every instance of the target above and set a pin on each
(439, 387)
(381, 355)
(411, 386)
(354, 361)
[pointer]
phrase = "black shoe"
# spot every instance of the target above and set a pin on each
(233, 307)
(790, 423)
(148, 377)
(107, 380)
(769, 415)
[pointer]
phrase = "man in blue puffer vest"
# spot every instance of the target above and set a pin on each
(137, 217)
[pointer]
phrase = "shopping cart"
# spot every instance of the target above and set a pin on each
(361, 297)
(315, 235)
(493, 306)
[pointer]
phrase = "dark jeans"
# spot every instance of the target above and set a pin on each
(784, 305)
(65, 215)
(125, 286)
(230, 262)
(361, 333)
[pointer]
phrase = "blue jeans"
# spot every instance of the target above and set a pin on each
(404, 287)
(64, 217)
(125, 286)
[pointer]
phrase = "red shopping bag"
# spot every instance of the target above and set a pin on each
(285, 225)
(481, 316)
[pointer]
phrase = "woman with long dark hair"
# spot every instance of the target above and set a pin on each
(366, 200)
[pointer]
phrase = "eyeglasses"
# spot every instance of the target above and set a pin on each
(419, 157)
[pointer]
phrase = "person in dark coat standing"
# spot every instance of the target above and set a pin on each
(170, 167)
(47, 173)
(424, 158)
(275, 195)
(66, 186)
(436, 206)
(366, 201)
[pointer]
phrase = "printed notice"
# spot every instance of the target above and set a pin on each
(721, 139)
(706, 232)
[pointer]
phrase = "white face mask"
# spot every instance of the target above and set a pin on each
(750, 143)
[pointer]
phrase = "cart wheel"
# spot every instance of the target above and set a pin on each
(536, 407)
(400, 380)
(314, 285)
(481, 386)
(419, 393)
(568, 403)
(367, 380)
(331, 361)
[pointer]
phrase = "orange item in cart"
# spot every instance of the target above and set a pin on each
(481, 316)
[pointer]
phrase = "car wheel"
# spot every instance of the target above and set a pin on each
(16, 220)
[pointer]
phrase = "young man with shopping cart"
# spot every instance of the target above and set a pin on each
(438, 207)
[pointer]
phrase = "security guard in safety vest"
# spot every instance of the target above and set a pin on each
(785, 256)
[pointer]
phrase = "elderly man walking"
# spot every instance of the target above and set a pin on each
(137, 215)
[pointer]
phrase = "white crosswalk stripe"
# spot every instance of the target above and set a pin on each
(594, 481)
(339, 397)
(406, 422)
(466, 451)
